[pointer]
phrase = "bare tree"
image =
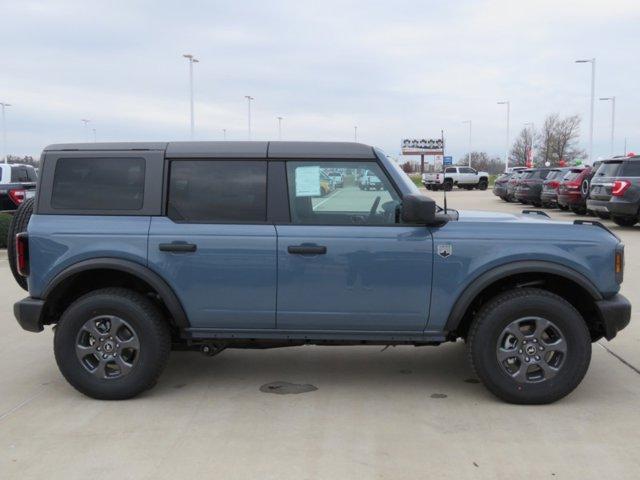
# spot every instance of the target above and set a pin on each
(520, 148)
(482, 162)
(547, 139)
(567, 133)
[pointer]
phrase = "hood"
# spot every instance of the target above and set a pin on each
(482, 216)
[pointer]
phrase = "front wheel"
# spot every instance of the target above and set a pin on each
(529, 346)
(483, 184)
(112, 344)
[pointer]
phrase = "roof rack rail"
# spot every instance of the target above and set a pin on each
(528, 211)
(595, 223)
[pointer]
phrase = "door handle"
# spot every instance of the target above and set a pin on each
(307, 249)
(178, 247)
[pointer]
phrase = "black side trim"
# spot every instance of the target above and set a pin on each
(528, 266)
(143, 273)
(615, 314)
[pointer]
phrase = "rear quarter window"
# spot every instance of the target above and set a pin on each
(609, 169)
(631, 169)
(99, 183)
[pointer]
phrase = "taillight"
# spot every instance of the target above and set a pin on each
(17, 196)
(22, 253)
(553, 184)
(619, 187)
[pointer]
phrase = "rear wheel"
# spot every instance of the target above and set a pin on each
(448, 185)
(18, 224)
(112, 344)
(579, 210)
(603, 215)
(529, 346)
(625, 221)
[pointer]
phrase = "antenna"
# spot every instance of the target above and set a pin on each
(444, 186)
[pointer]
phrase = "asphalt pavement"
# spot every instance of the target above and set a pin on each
(320, 412)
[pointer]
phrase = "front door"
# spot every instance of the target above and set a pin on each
(214, 246)
(345, 262)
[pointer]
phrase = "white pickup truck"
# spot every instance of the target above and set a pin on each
(463, 177)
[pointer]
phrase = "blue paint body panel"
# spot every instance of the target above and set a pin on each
(371, 278)
(59, 241)
(229, 281)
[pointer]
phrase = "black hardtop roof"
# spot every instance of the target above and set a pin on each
(348, 150)
(621, 158)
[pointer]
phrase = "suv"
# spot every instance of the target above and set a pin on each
(573, 190)
(133, 249)
(370, 181)
(530, 186)
(615, 190)
(549, 194)
(462, 177)
(17, 183)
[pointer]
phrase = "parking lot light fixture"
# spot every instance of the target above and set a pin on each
(355, 134)
(192, 60)
(4, 131)
(613, 120)
(249, 98)
(470, 131)
(592, 61)
(279, 127)
(224, 133)
(506, 152)
(85, 122)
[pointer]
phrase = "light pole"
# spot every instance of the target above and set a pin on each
(224, 133)
(4, 132)
(279, 128)
(470, 127)
(613, 118)
(85, 122)
(249, 98)
(506, 152)
(592, 61)
(94, 135)
(355, 134)
(192, 60)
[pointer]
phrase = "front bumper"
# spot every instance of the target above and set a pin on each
(615, 314)
(28, 312)
(617, 209)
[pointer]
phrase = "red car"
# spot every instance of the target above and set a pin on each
(574, 190)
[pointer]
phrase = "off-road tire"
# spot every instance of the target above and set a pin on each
(625, 221)
(448, 185)
(499, 312)
(18, 224)
(483, 184)
(150, 327)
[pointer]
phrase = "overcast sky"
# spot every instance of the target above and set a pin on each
(394, 69)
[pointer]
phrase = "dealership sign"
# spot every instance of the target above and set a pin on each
(422, 146)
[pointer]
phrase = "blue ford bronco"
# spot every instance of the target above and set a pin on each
(130, 250)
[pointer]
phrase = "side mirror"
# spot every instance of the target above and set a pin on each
(418, 209)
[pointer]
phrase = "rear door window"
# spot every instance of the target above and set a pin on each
(19, 174)
(609, 169)
(218, 191)
(99, 183)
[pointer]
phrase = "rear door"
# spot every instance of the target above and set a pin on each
(214, 245)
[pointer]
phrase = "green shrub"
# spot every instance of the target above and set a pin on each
(5, 220)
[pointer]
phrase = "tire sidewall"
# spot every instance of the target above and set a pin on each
(575, 365)
(65, 338)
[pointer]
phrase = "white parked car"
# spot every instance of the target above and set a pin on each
(463, 177)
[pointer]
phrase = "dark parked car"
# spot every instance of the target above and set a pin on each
(571, 192)
(615, 189)
(549, 195)
(500, 185)
(17, 183)
(512, 185)
(530, 186)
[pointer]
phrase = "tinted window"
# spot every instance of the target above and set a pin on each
(31, 173)
(366, 197)
(20, 174)
(631, 169)
(609, 169)
(450, 170)
(99, 183)
(211, 191)
(572, 175)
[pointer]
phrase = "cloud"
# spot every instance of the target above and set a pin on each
(401, 69)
